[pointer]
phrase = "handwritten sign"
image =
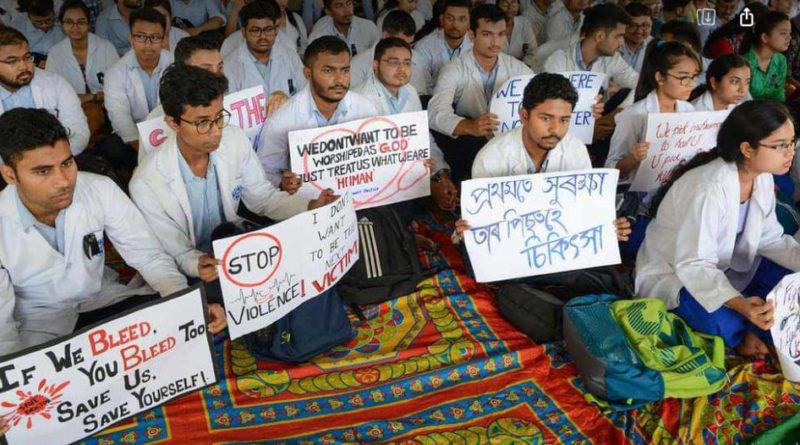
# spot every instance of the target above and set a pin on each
(380, 159)
(267, 273)
(247, 109)
(675, 138)
(65, 390)
(540, 224)
(786, 329)
(507, 102)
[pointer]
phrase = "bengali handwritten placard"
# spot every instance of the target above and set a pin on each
(539, 224)
(68, 389)
(381, 160)
(675, 138)
(507, 102)
(247, 109)
(786, 328)
(267, 273)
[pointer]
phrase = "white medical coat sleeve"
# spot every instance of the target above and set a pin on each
(441, 115)
(9, 336)
(118, 106)
(70, 114)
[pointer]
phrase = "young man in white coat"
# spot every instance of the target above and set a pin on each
(37, 21)
(358, 33)
(197, 179)
(446, 43)
(53, 219)
(459, 109)
(391, 91)
(327, 100)
(24, 86)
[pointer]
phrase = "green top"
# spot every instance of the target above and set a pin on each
(769, 84)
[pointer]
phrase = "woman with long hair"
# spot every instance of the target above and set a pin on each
(727, 84)
(728, 38)
(764, 51)
(714, 248)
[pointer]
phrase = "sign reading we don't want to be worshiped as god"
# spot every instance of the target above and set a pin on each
(381, 160)
(539, 224)
(66, 390)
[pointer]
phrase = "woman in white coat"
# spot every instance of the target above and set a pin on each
(714, 248)
(82, 58)
(522, 42)
(727, 84)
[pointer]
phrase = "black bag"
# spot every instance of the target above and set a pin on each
(537, 314)
(310, 329)
(388, 265)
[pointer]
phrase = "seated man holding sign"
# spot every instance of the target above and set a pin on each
(53, 222)
(197, 179)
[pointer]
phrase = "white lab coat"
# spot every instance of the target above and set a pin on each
(53, 93)
(101, 55)
(419, 19)
(691, 241)
(373, 90)
(505, 155)
(46, 290)
(522, 43)
(560, 24)
(362, 34)
(236, 39)
(286, 71)
(175, 36)
(158, 190)
(538, 19)
(125, 98)
(614, 67)
(433, 55)
(295, 36)
(361, 70)
(705, 103)
(296, 114)
(631, 128)
(459, 91)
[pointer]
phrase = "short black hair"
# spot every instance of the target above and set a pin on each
(189, 45)
(399, 22)
(389, 43)
(24, 129)
(324, 44)
(73, 4)
(546, 86)
(10, 36)
(189, 86)
(148, 15)
(258, 10)
(487, 12)
(38, 8)
(159, 3)
(683, 32)
(672, 5)
(603, 17)
(454, 4)
(636, 9)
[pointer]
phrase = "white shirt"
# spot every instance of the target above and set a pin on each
(506, 155)
(125, 98)
(522, 44)
(459, 92)
(614, 67)
(45, 290)
(434, 53)
(233, 41)
(285, 71)
(690, 242)
(158, 190)
(561, 24)
(361, 35)
(298, 114)
(100, 56)
(361, 70)
(53, 93)
(538, 18)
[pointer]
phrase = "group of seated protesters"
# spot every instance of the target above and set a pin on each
(75, 80)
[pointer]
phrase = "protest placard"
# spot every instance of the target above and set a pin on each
(675, 138)
(248, 112)
(379, 159)
(507, 102)
(68, 389)
(539, 224)
(786, 328)
(267, 273)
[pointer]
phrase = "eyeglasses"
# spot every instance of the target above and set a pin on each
(258, 32)
(27, 58)
(144, 38)
(685, 80)
(397, 63)
(642, 26)
(204, 125)
(783, 148)
(79, 23)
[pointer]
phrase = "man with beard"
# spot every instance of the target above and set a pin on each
(113, 24)
(53, 219)
(24, 86)
(459, 109)
(197, 179)
(446, 43)
(637, 35)
(37, 22)
(358, 33)
(325, 101)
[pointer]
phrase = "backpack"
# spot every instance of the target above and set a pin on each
(388, 266)
(310, 329)
(535, 313)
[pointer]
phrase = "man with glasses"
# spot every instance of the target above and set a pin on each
(197, 179)
(131, 85)
(24, 86)
(113, 24)
(637, 35)
(37, 23)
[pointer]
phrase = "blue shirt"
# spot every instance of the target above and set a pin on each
(150, 84)
(38, 41)
(111, 26)
(488, 80)
(263, 70)
(23, 98)
(321, 121)
(53, 235)
(396, 104)
(579, 58)
(204, 200)
(197, 12)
